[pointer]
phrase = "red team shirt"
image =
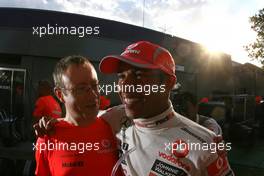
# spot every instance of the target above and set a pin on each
(47, 106)
(92, 150)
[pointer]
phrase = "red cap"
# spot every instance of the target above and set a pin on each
(142, 54)
(204, 100)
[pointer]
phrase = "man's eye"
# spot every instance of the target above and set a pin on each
(138, 73)
(81, 88)
(95, 86)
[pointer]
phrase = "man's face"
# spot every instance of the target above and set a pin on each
(137, 103)
(81, 94)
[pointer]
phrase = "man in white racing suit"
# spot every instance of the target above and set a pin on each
(159, 141)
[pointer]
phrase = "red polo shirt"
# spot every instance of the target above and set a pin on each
(75, 150)
(47, 106)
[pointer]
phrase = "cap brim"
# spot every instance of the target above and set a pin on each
(110, 64)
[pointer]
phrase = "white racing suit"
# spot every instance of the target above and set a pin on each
(209, 123)
(169, 145)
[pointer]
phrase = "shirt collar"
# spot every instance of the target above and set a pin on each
(157, 120)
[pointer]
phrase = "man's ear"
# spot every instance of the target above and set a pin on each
(59, 94)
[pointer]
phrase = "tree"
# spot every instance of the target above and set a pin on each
(256, 49)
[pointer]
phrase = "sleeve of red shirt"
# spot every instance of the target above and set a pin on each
(39, 107)
(42, 164)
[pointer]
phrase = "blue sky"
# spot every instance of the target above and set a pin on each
(218, 24)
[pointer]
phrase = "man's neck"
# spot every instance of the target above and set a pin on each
(163, 107)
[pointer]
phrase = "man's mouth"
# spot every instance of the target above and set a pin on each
(130, 101)
(133, 100)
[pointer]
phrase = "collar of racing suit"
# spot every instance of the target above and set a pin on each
(157, 121)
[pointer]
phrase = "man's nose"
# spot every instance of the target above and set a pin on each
(129, 79)
(93, 94)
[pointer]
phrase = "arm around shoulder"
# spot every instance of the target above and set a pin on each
(115, 117)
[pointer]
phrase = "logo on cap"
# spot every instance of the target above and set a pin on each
(130, 51)
(132, 46)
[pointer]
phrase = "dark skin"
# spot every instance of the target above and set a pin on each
(137, 105)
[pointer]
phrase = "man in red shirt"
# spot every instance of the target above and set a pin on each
(82, 143)
(46, 105)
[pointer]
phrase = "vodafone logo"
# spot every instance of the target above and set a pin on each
(219, 163)
(180, 148)
(218, 167)
(131, 49)
(217, 139)
(174, 160)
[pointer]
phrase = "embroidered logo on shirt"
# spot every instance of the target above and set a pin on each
(180, 148)
(194, 135)
(155, 123)
(73, 164)
(176, 161)
(160, 167)
(219, 167)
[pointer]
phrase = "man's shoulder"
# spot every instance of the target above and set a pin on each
(115, 117)
(193, 130)
(40, 100)
(45, 99)
(96, 124)
(203, 119)
(115, 110)
(210, 124)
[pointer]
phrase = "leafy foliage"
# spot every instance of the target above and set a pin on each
(256, 49)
